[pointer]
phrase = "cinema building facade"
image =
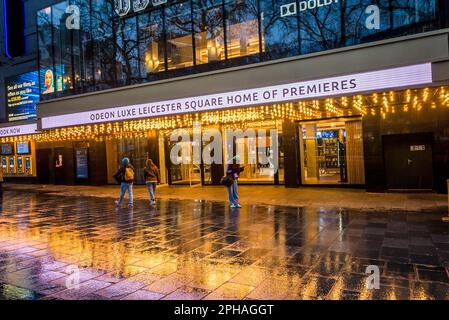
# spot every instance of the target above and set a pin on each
(357, 91)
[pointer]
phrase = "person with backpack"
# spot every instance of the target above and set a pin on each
(125, 177)
(233, 170)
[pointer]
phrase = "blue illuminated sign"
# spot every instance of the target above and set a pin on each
(22, 96)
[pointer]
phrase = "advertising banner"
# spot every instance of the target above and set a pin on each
(22, 96)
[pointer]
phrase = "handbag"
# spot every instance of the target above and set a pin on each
(227, 181)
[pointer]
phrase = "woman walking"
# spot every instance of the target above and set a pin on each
(233, 171)
(152, 178)
(125, 176)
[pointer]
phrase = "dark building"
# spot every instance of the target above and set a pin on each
(320, 92)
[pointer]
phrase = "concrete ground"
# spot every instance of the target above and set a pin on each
(264, 195)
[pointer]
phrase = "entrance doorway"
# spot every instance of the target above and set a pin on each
(409, 161)
(331, 152)
(43, 164)
(258, 144)
(184, 171)
(261, 154)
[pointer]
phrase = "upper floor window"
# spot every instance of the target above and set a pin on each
(151, 43)
(179, 39)
(208, 20)
(145, 42)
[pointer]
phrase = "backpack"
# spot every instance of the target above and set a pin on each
(129, 174)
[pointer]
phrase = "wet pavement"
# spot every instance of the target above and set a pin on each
(184, 249)
(260, 195)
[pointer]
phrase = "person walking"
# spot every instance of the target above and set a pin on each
(233, 170)
(152, 179)
(125, 177)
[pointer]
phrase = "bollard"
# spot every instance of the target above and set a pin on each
(446, 219)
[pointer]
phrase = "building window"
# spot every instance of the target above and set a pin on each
(127, 52)
(365, 20)
(82, 48)
(62, 48)
(242, 28)
(279, 34)
(406, 12)
(108, 50)
(151, 43)
(209, 31)
(103, 44)
(320, 28)
(45, 39)
(178, 28)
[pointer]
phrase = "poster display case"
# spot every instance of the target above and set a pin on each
(18, 159)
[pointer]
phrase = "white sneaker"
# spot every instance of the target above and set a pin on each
(152, 203)
(117, 203)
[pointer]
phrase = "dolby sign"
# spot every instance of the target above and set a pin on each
(123, 7)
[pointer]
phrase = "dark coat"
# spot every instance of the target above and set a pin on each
(234, 170)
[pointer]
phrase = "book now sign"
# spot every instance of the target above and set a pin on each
(387, 79)
(18, 130)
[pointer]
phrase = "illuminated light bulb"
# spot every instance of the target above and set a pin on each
(391, 96)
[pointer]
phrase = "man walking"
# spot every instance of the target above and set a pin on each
(125, 176)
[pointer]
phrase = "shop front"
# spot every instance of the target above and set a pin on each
(252, 141)
(327, 138)
(337, 131)
(331, 151)
(18, 152)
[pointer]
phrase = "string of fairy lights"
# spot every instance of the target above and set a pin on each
(380, 104)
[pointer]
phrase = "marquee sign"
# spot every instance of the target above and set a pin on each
(342, 85)
(123, 7)
(19, 130)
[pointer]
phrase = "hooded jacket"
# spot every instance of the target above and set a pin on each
(151, 174)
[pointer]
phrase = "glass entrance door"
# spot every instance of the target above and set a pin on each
(332, 152)
(260, 156)
(183, 171)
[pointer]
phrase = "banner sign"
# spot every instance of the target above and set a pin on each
(342, 85)
(20, 130)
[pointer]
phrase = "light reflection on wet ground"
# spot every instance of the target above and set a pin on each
(204, 250)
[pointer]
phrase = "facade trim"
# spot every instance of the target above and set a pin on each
(343, 85)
